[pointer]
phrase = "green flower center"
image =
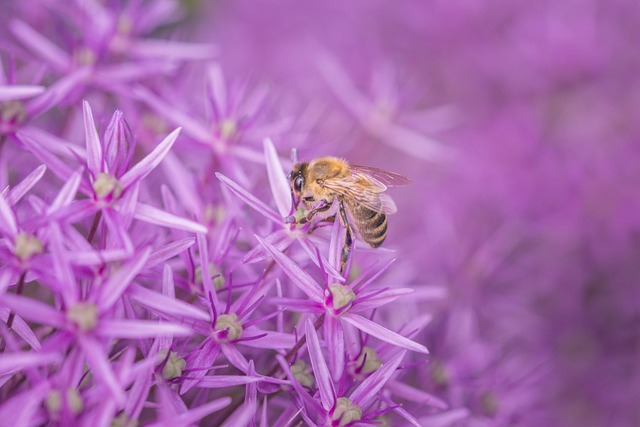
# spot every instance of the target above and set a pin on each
(345, 412)
(106, 185)
(366, 363)
(228, 129)
(339, 297)
(84, 56)
(303, 374)
(123, 420)
(218, 280)
(12, 112)
(174, 365)
(54, 402)
(84, 315)
(214, 214)
(228, 327)
(26, 246)
(490, 403)
(439, 373)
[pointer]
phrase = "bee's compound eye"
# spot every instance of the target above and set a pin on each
(298, 182)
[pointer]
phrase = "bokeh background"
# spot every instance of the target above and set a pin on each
(517, 122)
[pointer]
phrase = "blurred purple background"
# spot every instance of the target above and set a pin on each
(518, 124)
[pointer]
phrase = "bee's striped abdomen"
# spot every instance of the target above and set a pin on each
(371, 225)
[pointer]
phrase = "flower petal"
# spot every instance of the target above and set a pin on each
(321, 262)
(301, 279)
(240, 417)
(101, 367)
(217, 90)
(271, 339)
(7, 219)
(192, 416)
(171, 49)
(250, 199)
(20, 409)
(92, 141)
(320, 369)
(445, 419)
(207, 283)
(191, 127)
(17, 92)
(374, 382)
(33, 310)
(21, 328)
(183, 184)
(334, 338)
(96, 258)
(297, 305)
(118, 282)
(19, 190)
(368, 300)
(139, 329)
(57, 166)
(382, 333)
(168, 251)
(57, 92)
(163, 304)
(149, 163)
(412, 394)
(308, 400)
(222, 381)
(280, 239)
(277, 179)
(198, 363)
(40, 45)
(157, 216)
(67, 193)
(234, 357)
(20, 360)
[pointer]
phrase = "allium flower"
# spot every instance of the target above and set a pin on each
(154, 269)
(234, 114)
(345, 410)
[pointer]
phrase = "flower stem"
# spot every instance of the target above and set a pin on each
(94, 226)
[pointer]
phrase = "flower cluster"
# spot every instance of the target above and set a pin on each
(150, 268)
(154, 269)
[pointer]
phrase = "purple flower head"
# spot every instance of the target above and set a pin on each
(336, 409)
(156, 270)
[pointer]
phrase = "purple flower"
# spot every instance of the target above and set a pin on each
(153, 268)
(344, 410)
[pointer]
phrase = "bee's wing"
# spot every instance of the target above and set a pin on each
(380, 176)
(368, 195)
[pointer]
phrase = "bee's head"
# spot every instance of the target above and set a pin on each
(297, 179)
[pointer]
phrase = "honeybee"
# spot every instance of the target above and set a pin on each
(358, 192)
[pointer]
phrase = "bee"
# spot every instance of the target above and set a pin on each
(358, 192)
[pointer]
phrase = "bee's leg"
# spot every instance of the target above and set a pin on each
(324, 206)
(331, 218)
(325, 221)
(348, 239)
